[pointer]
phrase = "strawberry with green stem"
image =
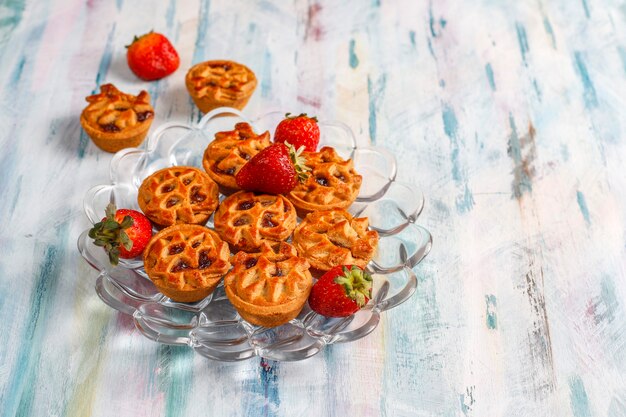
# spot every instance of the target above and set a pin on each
(341, 291)
(300, 130)
(276, 169)
(152, 56)
(123, 233)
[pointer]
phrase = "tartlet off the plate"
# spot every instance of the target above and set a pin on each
(220, 83)
(115, 120)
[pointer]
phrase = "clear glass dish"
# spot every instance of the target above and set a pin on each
(212, 326)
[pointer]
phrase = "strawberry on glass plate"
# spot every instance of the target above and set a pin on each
(341, 291)
(277, 169)
(300, 130)
(212, 326)
(122, 233)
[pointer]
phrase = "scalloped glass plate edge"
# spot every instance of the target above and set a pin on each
(304, 336)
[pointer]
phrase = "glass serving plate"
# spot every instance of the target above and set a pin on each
(212, 326)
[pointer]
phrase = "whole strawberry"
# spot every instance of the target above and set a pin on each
(152, 56)
(341, 291)
(122, 233)
(299, 130)
(275, 170)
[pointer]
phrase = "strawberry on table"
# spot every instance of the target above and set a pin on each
(123, 233)
(300, 130)
(341, 291)
(152, 56)
(275, 170)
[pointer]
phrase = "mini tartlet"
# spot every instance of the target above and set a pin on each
(186, 262)
(115, 120)
(246, 219)
(331, 183)
(178, 194)
(333, 237)
(213, 84)
(269, 287)
(229, 151)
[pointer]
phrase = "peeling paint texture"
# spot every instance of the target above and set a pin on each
(509, 116)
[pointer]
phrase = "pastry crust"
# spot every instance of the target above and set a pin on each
(178, 194)
(333, 237)
(269, 287)
(245, 220)
(115, 120)
(213, 84)
(229, 151)
(186, 262)
(332, 183)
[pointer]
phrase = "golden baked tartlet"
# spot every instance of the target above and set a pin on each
(332, 183)
(229, 151)
(333, 237)
(269, 287)
(245, 220)
(115, 120)
(178, 194)
(213, 84)
(186, 261)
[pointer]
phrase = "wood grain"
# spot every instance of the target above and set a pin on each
(509, 115)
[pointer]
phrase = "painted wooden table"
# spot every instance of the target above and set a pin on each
(509, 115)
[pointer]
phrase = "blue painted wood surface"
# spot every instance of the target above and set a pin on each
(510, 115)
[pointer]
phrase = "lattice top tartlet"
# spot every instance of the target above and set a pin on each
(333, 237)
(213, 84)
(332, 183)
(178, 194)
(229, 151)
(246, 219)
(115, 120)
(186, 261)
(270, 286)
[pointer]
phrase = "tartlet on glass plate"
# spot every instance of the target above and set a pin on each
(332, 238)
(178, 194)
(332, 183)
(186, 262)
(268, 287)
(115, 120)
(245, 220)
(229, 151)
